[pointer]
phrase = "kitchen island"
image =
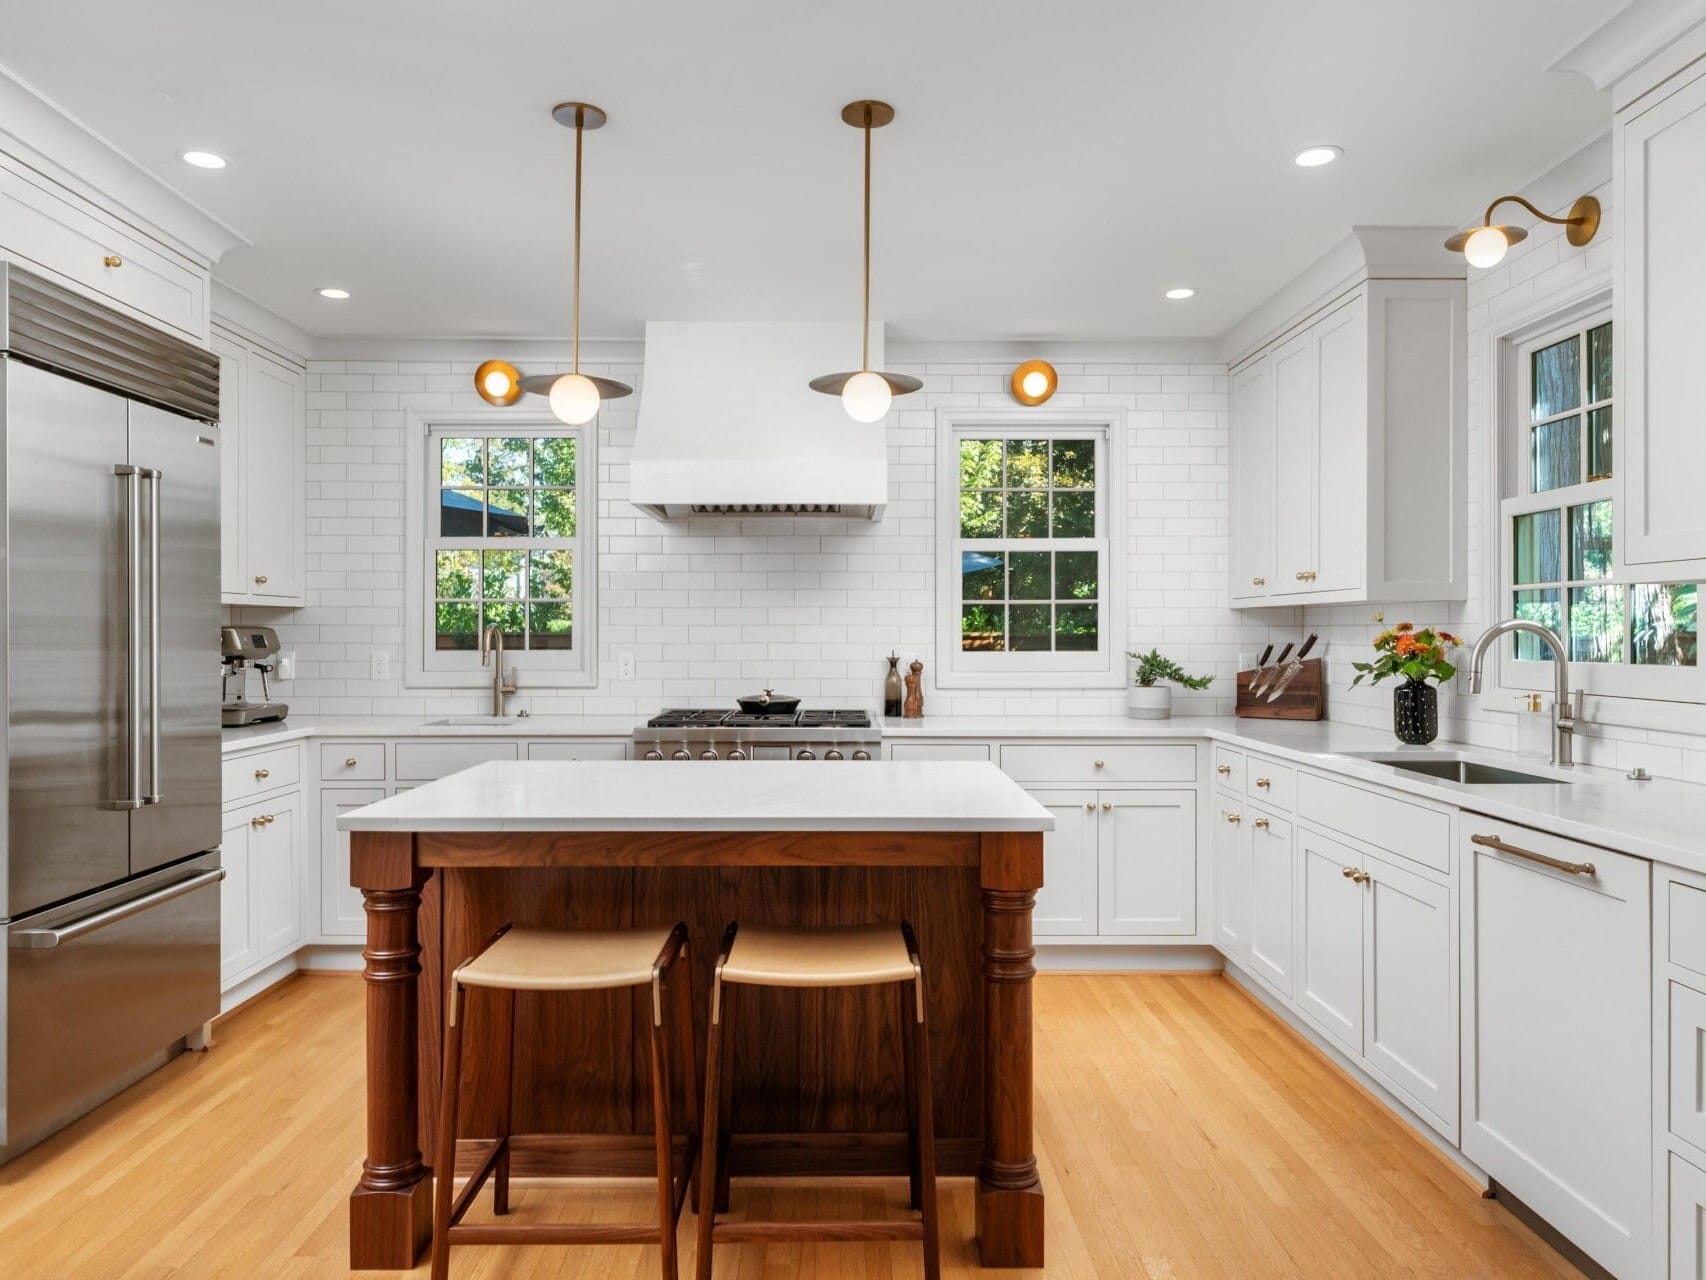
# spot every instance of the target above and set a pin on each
(956, 848)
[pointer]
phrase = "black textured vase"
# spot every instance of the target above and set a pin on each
(1415, 712)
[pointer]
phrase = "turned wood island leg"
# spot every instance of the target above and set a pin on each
(1009, 1192)
(390, 1219)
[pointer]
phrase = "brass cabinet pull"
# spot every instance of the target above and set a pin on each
(260, 579)
(1258, 582)
(349, 762)
(1263, 783)
(1235, 818)
(112, 260)
(1223, 768)
(1306, 575)
(1354, 875)
(1557, 864)
(261, 820)
(261, 773)
(1261, 824)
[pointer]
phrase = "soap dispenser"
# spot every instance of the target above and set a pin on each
(1533, 728)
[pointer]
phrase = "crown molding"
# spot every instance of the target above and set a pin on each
(1628, 38)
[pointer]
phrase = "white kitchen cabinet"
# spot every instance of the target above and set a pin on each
(1066, 904)
(1272, 899)
(1146, 846)
(1232, 879)
(238, 947)
(1410, 1039)
(263, 499)
(1659, 167)
(1365, 496)
(341, 912)
(1687, 1220)
(1557, 1036)
(261, 897)
(1330, 987)
(1253, 480)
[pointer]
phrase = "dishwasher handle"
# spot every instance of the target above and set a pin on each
(1557, 864)
(46, 939)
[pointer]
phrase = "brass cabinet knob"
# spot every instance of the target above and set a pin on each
(1107, 805)
(1261, 824)
(1235, 818)
(1089, 806)
(260, 579)
(1306, 575)
(349, 762)
(261, 820)
(1362, 877)
(262, 773)
(1099, 764)
(1258, 582)
(112, 260)
(1347, 872)
(1223, 768)
(1264, 783)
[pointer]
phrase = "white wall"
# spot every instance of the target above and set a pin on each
(712, 609)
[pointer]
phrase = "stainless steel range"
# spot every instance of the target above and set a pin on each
(695, 734)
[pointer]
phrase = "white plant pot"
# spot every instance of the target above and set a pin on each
(1153, 703)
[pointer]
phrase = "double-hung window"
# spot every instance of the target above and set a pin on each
(503, 515)
(1559, 528)
(1029, 594)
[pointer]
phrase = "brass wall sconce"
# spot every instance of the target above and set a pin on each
(1034, 382)
(1485, 245)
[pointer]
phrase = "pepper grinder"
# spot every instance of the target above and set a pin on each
(891, 687)
(915, 691)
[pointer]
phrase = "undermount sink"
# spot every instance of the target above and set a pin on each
(471, 721)
(1468, 772)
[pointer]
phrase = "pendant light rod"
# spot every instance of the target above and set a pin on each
(580, 139)
(865, 329)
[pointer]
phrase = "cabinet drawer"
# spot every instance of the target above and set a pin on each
(352, 762)
(264, 771)
(939, 751)
(1411, 830)
(1688, 1064)
(577, 751)
(1100, 765)
(424, 761)
(1229, 769)
(1275, 784)
(1688, 927)
(52, 230)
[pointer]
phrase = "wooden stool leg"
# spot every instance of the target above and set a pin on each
(926, 1126)
(908, 1026)
(506, 1113)
(444, 1162)
(711, 1137)
(663, 1141)
(725, 1100)
(686, 1046)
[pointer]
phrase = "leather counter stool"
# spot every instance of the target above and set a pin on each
(842, 956)
(547, 960)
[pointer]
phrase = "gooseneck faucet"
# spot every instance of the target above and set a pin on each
(1566, 708)
(492, 645)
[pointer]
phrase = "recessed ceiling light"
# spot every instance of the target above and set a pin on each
(204, 160)
(1178, 295)
(1315, 157)
(337, 295)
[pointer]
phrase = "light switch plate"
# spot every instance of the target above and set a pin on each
(286, 666)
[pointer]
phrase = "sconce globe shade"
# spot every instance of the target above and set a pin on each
(1486, 247)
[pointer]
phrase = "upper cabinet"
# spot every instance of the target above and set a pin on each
(263, 496)
(1347, 450)
(1659, 166)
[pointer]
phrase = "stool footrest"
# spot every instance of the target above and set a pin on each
(855, 1231)
(553, 1233)
(477, 1179)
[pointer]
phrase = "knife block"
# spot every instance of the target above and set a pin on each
(1305, 698)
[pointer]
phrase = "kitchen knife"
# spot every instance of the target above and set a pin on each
(1266, 674)
(1291, 669)
(1261, 662)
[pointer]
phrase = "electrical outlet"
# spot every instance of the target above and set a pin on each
(286, 666)
(624, 666)
(380, 667)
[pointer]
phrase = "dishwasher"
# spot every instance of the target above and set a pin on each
(1557, 1033)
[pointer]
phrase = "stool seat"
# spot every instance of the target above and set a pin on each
(567, 959)
(825, 956)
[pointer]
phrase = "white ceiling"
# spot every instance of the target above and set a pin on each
(1054, 167)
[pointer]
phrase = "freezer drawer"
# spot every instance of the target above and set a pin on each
(100, 990)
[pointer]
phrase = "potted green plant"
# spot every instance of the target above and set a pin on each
(1415, 657)
(1147, 698)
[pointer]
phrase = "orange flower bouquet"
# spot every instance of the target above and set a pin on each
(1417, 656)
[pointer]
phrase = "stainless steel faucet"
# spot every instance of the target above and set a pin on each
(1566, 707)
(492, 644)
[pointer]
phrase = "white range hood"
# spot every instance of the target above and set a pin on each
(728, 426)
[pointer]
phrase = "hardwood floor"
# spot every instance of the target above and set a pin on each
(1183, 1132)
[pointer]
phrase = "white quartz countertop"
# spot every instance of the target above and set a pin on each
(632, 795)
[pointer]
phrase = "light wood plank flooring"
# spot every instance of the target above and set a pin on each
(1183, 1132)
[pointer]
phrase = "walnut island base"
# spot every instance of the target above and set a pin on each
(955, 848)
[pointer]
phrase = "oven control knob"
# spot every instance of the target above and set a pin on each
(832, 754)
(805, 753)
(681, 753)
(861, 755)
(737, 754)
(709, 753)
(654, 754)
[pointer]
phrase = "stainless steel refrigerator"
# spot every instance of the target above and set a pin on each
(109, 547)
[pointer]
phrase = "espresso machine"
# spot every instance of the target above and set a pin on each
(239, 649)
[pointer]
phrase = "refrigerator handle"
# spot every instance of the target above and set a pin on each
(153, 796)
(46, 939)
(132, 796)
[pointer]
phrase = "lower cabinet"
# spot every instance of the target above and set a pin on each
(1146, 856)
(1066, 904)
(1687, 1220)
(261, 896)
(341, 914)
(1271, 929)
(1232, 879)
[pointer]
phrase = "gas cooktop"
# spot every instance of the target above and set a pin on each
(698, 718)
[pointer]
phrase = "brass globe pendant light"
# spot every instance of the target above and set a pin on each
(574, 396)
(865, 393)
